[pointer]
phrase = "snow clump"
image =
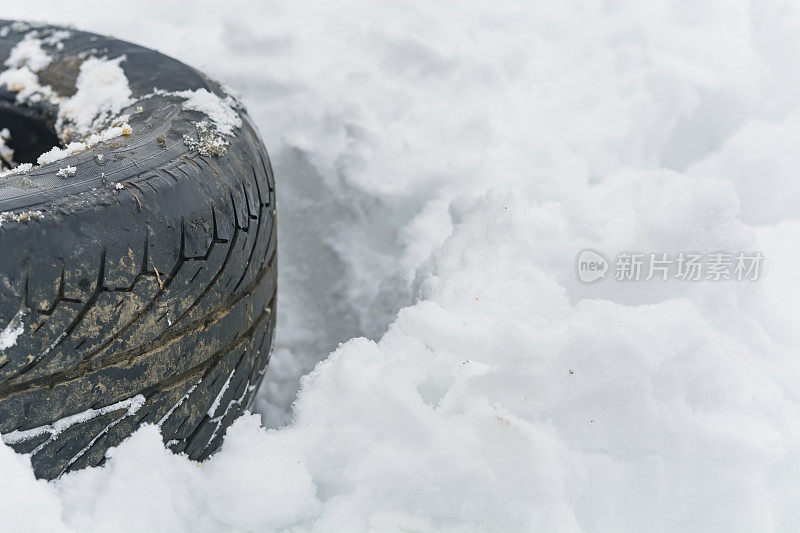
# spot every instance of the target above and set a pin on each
(102, 92)
(222, 119)
(66, 172)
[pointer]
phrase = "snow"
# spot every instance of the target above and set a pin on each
(34, 507)
(29, 53)
(132, 405)
(24, 167)
(6, 152)
(56, 153)
(25, 83)
(220, 111)
(56, 38)
(27, 58)
(15, 328)
(179, 402)
(66, 172)
(102, 92)
(223, 119)
(215, 403)
(209, 141)
(86, 118)
(21, 216)
(439, 171)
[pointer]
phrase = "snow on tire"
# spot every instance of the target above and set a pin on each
(137, 249)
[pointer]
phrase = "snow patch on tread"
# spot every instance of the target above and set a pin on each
(24, 167)
(221, 112)
(66, 172)
(218, 399)
(6, 152)
(15, 328)
(59, 426)
(208, 142)
(179, 403)
(223, 119)
(56, 153)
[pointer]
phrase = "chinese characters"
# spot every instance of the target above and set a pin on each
(688, 266)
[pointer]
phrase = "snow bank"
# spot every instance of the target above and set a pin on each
(440, 169)
(27, 504)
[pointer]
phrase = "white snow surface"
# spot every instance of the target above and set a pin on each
(439, 168)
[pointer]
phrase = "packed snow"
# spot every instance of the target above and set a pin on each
(101, 93)
(440, 168)
(29, 53)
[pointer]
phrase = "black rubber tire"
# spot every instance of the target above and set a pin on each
(152, 301)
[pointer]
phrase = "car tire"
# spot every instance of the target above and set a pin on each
(137, 275)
